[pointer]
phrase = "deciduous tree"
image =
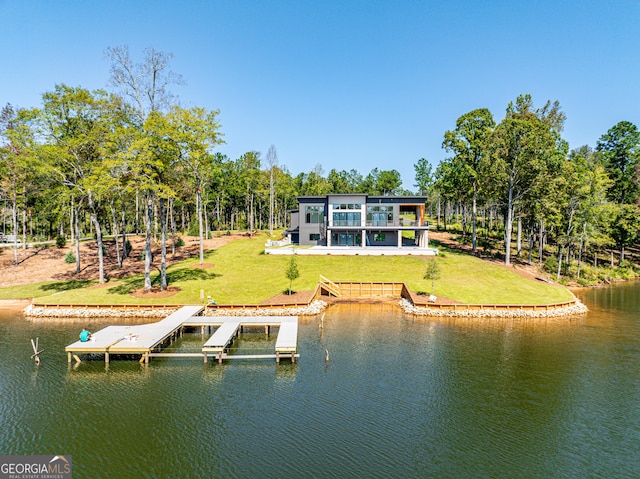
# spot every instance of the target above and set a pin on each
(424, 176)
(470, 143)
(78, 124)
(292, 272)
(526, 147)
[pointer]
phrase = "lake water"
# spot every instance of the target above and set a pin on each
(399, 397)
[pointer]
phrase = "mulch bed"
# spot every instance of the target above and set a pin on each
(298, 297)
(155, 292)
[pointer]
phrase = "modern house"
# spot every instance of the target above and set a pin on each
(359, 220)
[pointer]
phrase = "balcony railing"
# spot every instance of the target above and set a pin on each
(376, 223)
(346, 223)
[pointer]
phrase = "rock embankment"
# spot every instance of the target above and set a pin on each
(33, 311)
(570, 310)
(315, 307)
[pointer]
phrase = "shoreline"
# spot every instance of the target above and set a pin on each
(14, 305)
(33, 312)
(578, 308)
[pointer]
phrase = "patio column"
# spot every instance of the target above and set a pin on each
(363, 238)
(399, 238)
(424, 239)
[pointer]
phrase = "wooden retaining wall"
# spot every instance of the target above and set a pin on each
(107, 306)
(347, 290)
(370, 289)
(401, 290)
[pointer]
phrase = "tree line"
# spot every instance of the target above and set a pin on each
(132, 160)
(520, 174)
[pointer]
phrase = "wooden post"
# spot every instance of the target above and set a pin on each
(277, 357)
(205, 357)
(220, 357)
(106, 357)
(293, 358)
(69, 357)
(36, 353)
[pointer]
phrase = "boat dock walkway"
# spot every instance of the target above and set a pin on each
(149, 339)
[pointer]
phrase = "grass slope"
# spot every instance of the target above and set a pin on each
(242, 275)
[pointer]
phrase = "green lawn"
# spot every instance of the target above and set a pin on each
(242, 275)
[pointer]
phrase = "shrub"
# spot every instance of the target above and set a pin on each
(61, 241)
(464, 239)
(128, 247)
(588, 274)
(179, 242)
(551, 264)
(583, 282)
(70, 258)
(193, 229)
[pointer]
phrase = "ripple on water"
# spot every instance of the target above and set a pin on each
(419, 397)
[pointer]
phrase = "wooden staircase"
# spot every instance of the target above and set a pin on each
(329, 286)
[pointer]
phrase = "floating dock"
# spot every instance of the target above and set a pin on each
(149, 339)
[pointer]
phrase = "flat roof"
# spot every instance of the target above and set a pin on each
(373, 197)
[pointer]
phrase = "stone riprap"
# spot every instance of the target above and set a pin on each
(315, 307)
(570, 310)
(34, 312)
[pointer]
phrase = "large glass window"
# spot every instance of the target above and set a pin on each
(346, 239)
(314, 214)
(379, 215)
(344, 218)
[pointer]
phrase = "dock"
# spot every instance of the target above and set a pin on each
(221, 339)
(148, 340)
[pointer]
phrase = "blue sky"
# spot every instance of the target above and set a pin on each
(343, 84)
